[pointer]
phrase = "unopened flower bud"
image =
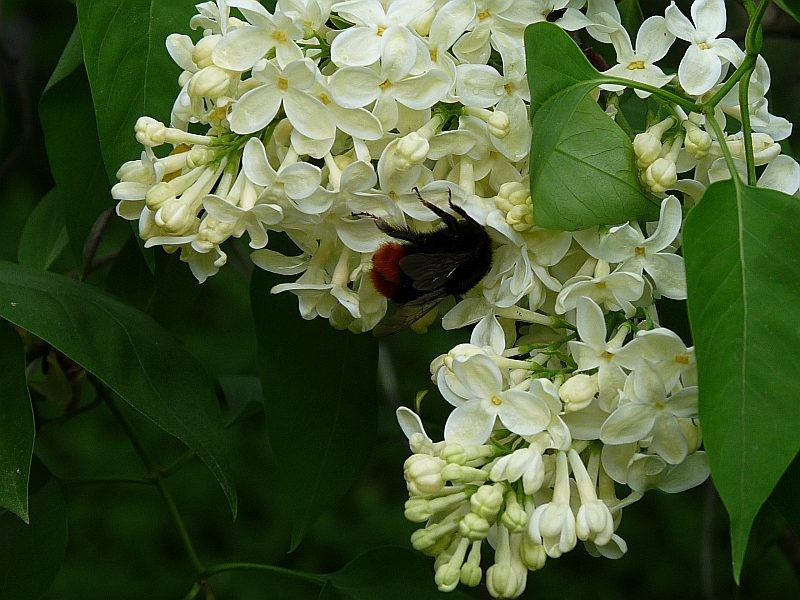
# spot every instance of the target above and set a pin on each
(502, 581)
(499, 124)
(412, 150)
(647, 149)
(213, 231)
(201, 55)
(158, 195)
(419, 443)
(487, 500)
(471, 574)
(473, 527)
(461, 474)
(423, 474)
(210, 82)
(514, 516)
(417, 509)
(578, 391)
(135, 170)
(447, 576)
(698, 142)
(175, 217)
(661, 175)
(150, 132)
(199, 156)
(532, 554)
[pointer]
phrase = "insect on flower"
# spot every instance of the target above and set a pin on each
(427, 266)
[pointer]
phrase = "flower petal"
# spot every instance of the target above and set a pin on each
(523, 413)
(629, 423)
(469, 424)
(699, 70)
(255, 109)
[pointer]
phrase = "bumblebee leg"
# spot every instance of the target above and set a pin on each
(446, 217)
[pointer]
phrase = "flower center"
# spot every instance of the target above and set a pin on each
(279, 36)
(324, 98)
(484, 14)
(283, 84)
(380, 31)
(636, 65)
(600, 284)
(703, 46)
(434, 54)
(638, 251)
(607, 355)
(682, 359)
(386, 83)
(509, 88)
(496, 400)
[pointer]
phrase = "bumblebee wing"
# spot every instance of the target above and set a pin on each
(409, 313)
(431, 270)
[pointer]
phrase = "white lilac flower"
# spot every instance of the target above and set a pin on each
(288, 88)
(701, 66)
(377, 34)
(652, 43)
(615, 291)
(355, 87)
(626, 245)
(481, 397)
(594, 352)
(241, 48)
(647, 409)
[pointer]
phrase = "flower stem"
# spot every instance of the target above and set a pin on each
(153, 472)
(243, 566)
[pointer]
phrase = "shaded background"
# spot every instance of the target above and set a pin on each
(121, 541)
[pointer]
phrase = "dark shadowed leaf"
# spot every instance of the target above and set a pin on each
(31, 555)
(389, 574)
(792, 7)
(45, 234)
(16, 424)
(128, 351)
(742, 250)
(67, 115)
(319, 401)
(130, 72)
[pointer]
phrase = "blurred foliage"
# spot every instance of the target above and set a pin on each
(121, 540)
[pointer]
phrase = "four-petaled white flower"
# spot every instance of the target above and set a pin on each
(627, 245)
(648, 410)
(652, 43)
(701, 65)
(481, 396)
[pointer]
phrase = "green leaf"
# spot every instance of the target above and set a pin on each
(630, 13)
(791, 7)
(31, 555)
(45, 234)
(390, 574)
(243, 396)
(555, 63)
(320, 402)
(130, 72)
(582, 166)
(67, 115)
(742, 250)
(128, 351)
(16, 424)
